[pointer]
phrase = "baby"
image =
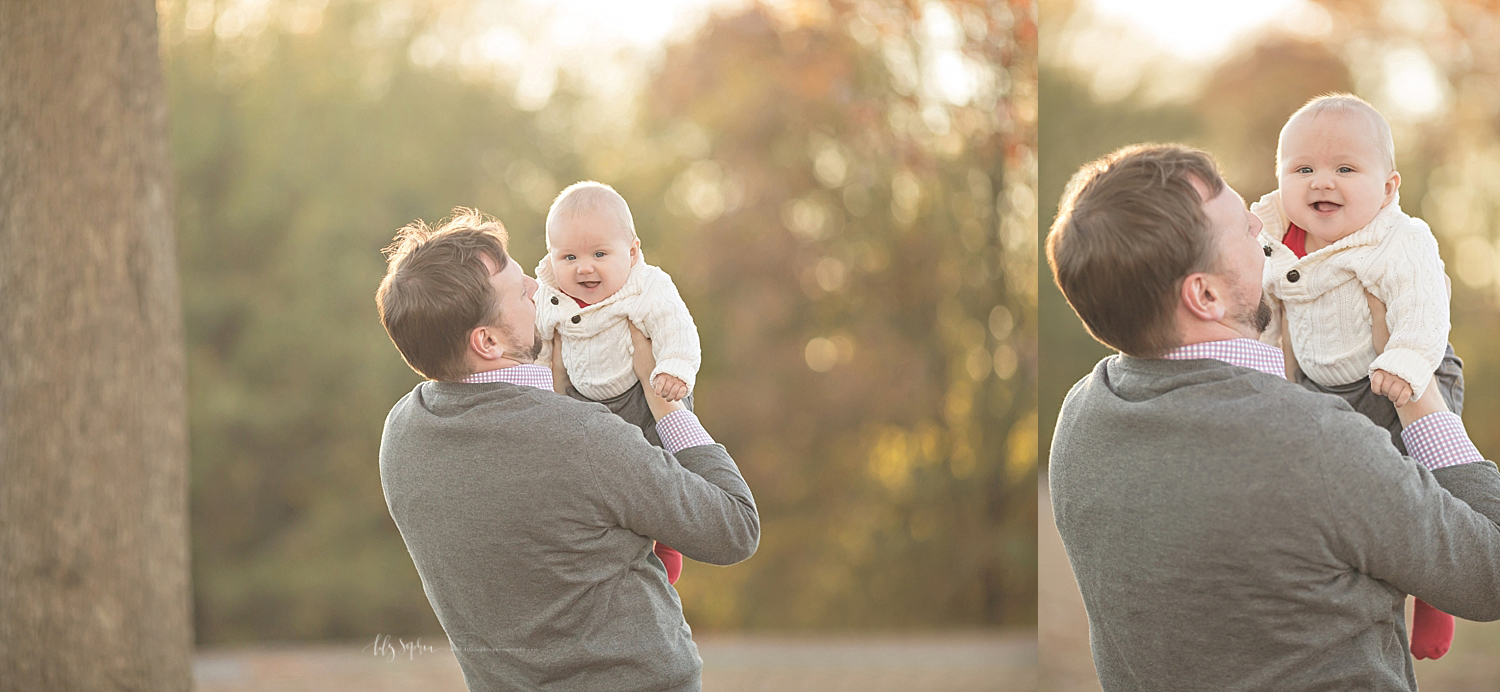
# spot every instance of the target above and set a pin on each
(593, 284)
(1340, 254)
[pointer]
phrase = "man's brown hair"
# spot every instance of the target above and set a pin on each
(1130, 227)
(436, 290)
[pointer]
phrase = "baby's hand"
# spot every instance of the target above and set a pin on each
(669, 387)
(1391, 387)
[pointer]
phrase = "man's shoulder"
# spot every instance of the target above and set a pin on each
(1200, 383)
(1238, 412)
(561, 410)
(1182, 372)
(589, 422)
(500, 419)
(488, 402)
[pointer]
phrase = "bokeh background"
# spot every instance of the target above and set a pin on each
(844, 192)
(1224, 76)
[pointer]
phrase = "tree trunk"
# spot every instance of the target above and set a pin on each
(94, 575)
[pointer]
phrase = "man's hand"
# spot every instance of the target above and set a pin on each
(1380, 332)
(1390, 387)
(669, 387)
(559, 373)
(642, 361)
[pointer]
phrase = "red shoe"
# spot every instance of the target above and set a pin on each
(1431, 631)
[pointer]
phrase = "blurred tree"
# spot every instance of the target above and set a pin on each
(301, 147)
(1075, 129)
(94, 591)
(1248, 97)
(857, 250)
(845, 194)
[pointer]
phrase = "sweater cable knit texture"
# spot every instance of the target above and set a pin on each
(596, 346)
(1396, 259)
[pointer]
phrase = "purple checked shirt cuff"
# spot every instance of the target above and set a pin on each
(1439, 440)
(680, 430)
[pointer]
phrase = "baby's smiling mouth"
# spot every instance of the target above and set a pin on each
(1325, 206)
(589, 284)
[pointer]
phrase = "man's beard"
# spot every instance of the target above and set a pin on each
(517, 351)
(1257, 318)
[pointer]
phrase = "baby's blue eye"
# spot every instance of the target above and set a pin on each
(1305, 169)
(569, 257)
(599, 253)
(1345, 169)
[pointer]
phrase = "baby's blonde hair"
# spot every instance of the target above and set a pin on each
(1342, 104)
(590, 196)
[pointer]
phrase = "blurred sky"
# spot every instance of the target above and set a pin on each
(1167, 46)
(1194, 30)
(609, 45)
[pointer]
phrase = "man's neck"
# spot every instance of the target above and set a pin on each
(1204, 332)
(1240, 351)
(477, 365)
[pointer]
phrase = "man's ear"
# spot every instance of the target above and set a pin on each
(1202, 297)
(483, 343)
(1392, 184)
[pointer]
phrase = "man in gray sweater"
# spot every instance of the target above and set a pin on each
(530, 516)
(1229, 529)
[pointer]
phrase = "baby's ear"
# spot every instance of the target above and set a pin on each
(1392, 184)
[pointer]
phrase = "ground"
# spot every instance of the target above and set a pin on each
(941, 662)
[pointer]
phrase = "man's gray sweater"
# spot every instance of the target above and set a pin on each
(1233, 531)
(530, 516)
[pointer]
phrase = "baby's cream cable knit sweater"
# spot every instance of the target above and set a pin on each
(1396, 258)
(596, 340)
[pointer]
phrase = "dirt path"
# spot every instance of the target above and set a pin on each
(953, 662)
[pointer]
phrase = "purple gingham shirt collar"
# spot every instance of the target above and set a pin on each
(520, 375)
(1246, 353)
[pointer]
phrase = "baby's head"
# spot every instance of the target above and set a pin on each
(591, 241)
(1336, 166)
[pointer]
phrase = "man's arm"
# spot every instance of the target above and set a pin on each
(1438, 441)
(691, 495)
(643, 362)
(551, 355)
(1429, 529)
(695, 500)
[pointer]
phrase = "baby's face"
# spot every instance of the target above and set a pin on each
(1333, 176)
(591, 255)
